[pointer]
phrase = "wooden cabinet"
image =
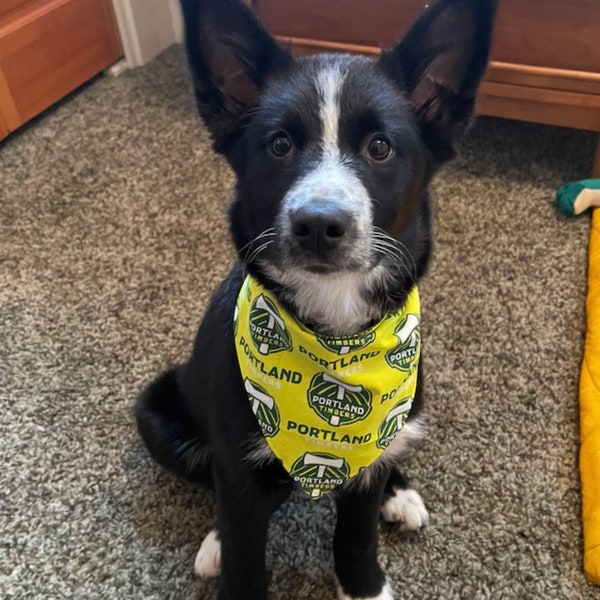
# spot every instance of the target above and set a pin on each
(545, 60)
(47, 49)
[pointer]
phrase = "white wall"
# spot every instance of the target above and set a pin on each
(147, 27)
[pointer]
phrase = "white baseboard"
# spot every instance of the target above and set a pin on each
(117, 69)
(177, 18)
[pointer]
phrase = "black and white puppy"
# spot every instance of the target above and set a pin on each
(333, 155)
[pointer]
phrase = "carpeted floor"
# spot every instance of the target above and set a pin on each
(112, 236)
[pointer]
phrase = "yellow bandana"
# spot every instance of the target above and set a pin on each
(327, 406)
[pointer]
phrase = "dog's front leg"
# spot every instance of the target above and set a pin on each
(245, 502)
(355, 543)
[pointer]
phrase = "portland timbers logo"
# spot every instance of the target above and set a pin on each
(267, 328)
(403, 355)
(319, 472)
(337, 402)
(344, 345)
(264, 408)
(393, 423)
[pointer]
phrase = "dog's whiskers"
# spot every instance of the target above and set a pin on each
(262, 234)
(398, 255)
(257, 251)
(387, 245)
(249, 251)
(394, 254)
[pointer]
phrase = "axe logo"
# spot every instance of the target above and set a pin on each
(345, 345)
(337, 402)
(393, 423)
(268, 329)
(402, 356)
(319, 472)
(264, 408)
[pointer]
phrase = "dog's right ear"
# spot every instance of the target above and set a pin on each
(440, 63)
(231, 56)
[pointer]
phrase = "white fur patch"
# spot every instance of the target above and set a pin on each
(335, 301)
(386, 594)
(259, 452)
(329, 85)
(406, 507)
(208, 559)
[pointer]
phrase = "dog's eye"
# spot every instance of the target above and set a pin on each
(280, 145)
(379, 148)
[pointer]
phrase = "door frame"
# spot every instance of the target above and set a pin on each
(147, 27)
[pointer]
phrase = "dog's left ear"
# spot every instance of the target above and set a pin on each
(439, 63)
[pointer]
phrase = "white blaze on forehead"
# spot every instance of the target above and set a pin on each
(329, 85)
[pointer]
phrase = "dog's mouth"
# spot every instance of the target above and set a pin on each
(320, 269)
(277, 250)
(350, 254)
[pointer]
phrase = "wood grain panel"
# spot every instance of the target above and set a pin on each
(369, 23)
(560, 34)
(8, 6)
(50, 50)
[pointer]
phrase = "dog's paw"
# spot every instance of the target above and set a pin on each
(406, 508)
(208, 559)
(386, 594)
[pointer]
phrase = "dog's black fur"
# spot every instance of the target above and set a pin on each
(266, 114)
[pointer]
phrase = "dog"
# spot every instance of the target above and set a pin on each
(333, 155)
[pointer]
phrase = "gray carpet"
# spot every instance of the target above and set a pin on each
(112, 236)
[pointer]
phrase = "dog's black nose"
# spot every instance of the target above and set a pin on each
(320, 226)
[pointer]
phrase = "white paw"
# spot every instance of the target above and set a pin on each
(208, 559)
(386, 594)
(406, 507)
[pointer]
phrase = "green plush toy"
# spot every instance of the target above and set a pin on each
(574, 198)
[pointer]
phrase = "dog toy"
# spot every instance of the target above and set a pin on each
(575, 198)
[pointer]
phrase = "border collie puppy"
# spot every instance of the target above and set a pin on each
(304, 370)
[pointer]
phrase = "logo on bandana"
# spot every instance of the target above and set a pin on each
(337, 402)
(267, 328)
(402, 356)
(344, 345)
(264, 408)
(319, 472)
(393, 423)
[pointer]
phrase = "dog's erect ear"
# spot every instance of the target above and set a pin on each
(440, 63)
(230, 55)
